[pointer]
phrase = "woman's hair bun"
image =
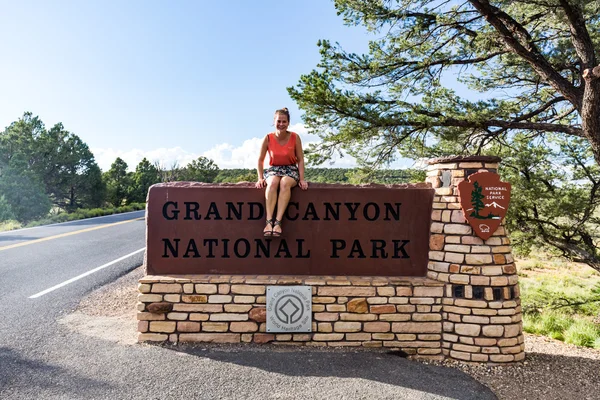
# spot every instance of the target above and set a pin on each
(283, 111)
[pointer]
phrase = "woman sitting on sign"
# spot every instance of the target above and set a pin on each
(286, 161)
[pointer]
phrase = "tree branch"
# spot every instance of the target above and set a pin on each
(579, 34)
(575, 252)
(543, 108)
(517, 39)
(516, 124)
(569, 303)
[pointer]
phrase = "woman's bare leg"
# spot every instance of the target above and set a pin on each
(271, 198)
(285, 192)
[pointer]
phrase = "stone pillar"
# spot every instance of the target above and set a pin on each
(481, 305)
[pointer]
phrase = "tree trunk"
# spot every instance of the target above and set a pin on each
(590, 110)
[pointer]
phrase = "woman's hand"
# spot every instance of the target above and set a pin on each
(261, 183)
(303, 184)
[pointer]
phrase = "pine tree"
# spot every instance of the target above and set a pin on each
(477, 200)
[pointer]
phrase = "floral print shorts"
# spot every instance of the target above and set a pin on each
(283, 170)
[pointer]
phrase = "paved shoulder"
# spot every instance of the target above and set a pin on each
(277, 372)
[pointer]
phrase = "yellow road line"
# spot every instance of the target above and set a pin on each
(12, 246)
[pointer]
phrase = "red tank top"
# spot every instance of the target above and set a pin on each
(282, 154)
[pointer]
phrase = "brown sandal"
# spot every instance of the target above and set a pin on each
(274, 233)
(267, 232)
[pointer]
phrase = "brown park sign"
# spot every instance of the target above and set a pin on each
(377, 230)
(484, 200)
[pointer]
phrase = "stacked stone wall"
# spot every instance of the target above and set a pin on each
(404, 313)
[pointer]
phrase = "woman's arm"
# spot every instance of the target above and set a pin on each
(300, 157)
(260, 182)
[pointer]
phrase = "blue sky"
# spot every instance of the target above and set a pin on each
(168, 80)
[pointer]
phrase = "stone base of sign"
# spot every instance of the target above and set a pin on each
(402, 313)
(481, 307)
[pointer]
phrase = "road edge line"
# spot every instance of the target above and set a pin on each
(65, 283)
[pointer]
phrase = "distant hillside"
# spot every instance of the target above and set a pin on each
(332, 175)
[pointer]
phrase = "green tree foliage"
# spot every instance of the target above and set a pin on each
(23, 191)
(20, 138)
(235, 175)
(200, 170)
(69, 170)
(382, 176)
(327, 175)
(534, 63)
(6, 212)
(145, 175)
(555, 196)
(117, 182)
(249, 177)
(533, 68)
(58, 159)
(94, 189)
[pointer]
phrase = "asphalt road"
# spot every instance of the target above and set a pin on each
(43, 359)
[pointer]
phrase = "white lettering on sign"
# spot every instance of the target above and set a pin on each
(496, 192)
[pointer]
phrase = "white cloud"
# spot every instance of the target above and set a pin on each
(225, 155)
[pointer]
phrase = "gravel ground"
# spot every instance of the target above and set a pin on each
(552, 370)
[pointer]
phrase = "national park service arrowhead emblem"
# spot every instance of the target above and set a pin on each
(484, 200)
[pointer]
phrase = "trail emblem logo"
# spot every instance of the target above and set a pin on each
(484, 200)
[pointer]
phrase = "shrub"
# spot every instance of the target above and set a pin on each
(582, 333)
(85, 213)
(10, 225)
(97, 212)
